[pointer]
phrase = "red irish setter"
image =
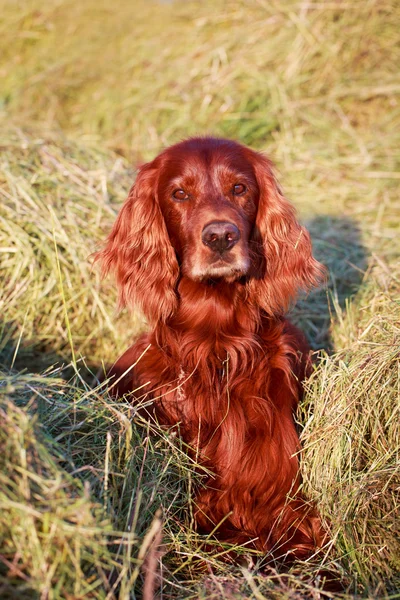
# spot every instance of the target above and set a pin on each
(209, 248)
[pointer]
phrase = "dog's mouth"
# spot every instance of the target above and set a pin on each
(222, 268)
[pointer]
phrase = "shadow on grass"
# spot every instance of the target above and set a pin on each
(337, 244)
(32, 355)
(19, 353)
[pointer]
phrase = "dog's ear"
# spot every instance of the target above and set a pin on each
(139, 251)
(281, 246)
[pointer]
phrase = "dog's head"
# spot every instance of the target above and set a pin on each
(210, 210)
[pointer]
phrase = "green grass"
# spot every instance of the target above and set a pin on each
(89, 89)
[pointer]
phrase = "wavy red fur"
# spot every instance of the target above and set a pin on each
(210, 249)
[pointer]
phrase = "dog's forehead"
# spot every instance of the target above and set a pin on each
(198, 157)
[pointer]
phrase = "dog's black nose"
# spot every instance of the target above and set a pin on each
(220, 236)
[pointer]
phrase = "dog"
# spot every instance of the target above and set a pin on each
(209, 248)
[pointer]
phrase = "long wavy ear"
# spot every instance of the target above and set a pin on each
(281, 247)
(138, 249)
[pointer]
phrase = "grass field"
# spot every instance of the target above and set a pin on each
(90, 89)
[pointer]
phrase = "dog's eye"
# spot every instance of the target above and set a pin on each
(180, 195)
(239, 189)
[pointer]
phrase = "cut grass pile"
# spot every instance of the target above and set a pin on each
(56, 206)
(54, 536)
(351, 419)
(316, 85)
(79, 488)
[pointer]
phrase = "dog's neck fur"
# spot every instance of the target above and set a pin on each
(224, 336)
(210, 354)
